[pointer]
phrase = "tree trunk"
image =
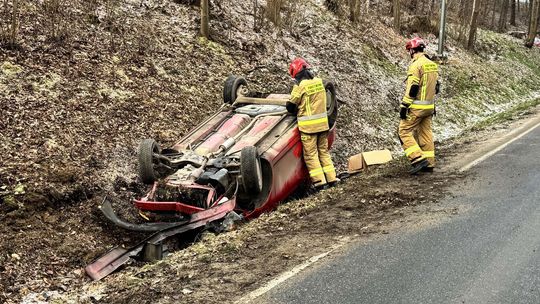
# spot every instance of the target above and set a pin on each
(538, 18)
(273, 11)
(513, 12)
(353, 10)
(255, 5)
(397, 15)
(533, 23)
(502, 17)
(529, 11)
(484, 9)
(473, 24)
(205, 19)
(14, 23)
(493, 13)
(366, 10)
(464, 24)
(413, 6)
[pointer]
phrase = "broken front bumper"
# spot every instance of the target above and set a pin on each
(150, 248)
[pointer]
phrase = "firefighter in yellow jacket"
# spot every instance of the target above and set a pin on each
(417, 109)
(308, 102)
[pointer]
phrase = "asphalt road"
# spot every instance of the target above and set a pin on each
(489, 254)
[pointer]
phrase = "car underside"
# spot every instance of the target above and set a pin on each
(242, 160)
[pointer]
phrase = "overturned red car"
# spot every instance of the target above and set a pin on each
(244, 159)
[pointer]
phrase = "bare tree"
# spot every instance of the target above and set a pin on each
(255, 6)
(494, 12)
(205, 19)
(397, 15)
(533, 23)
(55, 19)
(503, 16)
(354, 10)
(465, 20)
(273, 11)
(9, 23)
(473, 24)
(423, 7)
(513, 12)
(484, 8)
(14, 22)
(529, 10)
(366, 8)
(484, 12)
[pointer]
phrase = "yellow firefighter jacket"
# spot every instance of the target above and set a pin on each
(310, 97)
(424, 73)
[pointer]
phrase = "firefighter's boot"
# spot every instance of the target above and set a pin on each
(418, 166)
(427, 169)
(334, 183)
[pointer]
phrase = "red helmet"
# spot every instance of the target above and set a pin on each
(296, 66)
(414, 43)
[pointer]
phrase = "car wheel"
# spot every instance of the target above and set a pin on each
(331, 103)
(251, 170)
(147, 161)
(230, 89)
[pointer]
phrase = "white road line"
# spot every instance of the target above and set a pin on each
(287, 275)
(499, 148)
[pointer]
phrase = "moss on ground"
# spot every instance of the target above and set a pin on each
(488, 86)
(379, 59)
(9, 69)
(507, 115)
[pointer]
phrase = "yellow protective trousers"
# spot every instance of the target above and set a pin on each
(418, 126)
(317, 158)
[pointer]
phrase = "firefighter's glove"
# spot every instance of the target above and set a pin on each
(438, 87)
(291, 107)
(403, 109)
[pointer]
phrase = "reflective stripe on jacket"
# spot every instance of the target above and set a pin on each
(424, 73)
(310, 96)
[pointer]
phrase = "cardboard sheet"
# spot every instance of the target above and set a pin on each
(362, 160)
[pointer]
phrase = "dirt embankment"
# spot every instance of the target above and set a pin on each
(79, 94)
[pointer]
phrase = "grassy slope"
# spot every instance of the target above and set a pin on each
(501, 75)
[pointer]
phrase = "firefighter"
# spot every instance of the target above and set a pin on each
(308, 102)
(417, 109)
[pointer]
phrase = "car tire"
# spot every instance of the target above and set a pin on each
(251, 170)
(331, 103)
(230, 88)
(147, 161)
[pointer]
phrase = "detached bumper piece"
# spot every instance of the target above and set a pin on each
(150, 248)
(107, 210)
